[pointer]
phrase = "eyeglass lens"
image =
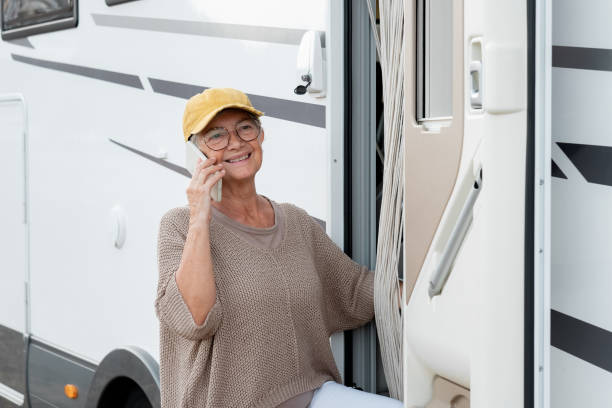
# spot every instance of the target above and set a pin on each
(218, 138)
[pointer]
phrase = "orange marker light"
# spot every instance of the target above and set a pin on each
(71, 391)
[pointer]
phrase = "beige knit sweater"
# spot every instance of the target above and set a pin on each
(266, 339)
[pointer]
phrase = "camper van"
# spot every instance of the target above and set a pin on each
(506, 180)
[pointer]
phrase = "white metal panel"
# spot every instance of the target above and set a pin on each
(254, 67)
(583, 23)
(581, 106)
(578, 383)
(581, 221)
(309, 15)
(13, 230)
(581, 256)
(295, 166)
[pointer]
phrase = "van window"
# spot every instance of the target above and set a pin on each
(21, 18)
(434, 59)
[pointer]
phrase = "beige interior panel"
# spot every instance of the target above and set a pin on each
(432, 159)
(447, 394)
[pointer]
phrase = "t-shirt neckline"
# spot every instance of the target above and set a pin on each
(249, 228)
(235, 228)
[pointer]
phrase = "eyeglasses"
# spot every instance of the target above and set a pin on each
(218, 138)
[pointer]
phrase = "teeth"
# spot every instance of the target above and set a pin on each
(238, 159)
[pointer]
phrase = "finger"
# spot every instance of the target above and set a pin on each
(210, 169)
(197, 181)
(205, 173)
(195, 177)
(209, 166)
(200, 164)
(205, 163)
(213, 179)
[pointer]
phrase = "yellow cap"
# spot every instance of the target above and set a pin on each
(201, 108)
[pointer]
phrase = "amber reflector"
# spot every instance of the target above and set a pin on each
(71, 391)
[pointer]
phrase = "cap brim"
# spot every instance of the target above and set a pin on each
(200, 125)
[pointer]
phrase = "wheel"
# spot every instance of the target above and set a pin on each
(136, 399)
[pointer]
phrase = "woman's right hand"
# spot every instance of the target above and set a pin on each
(198, 191)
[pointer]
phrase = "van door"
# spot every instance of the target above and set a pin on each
(467, 241)
(13, 236)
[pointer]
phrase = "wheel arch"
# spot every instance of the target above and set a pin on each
(131, 362)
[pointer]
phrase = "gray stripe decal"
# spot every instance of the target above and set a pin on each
(24, 42)
(171, 166)
(178, 89)
(580, 339)
(233, 31)
(116, 2)
(39, 343)
(594, 162)
(300, 112)
(598, 59)
(109, 76)
(556, 171)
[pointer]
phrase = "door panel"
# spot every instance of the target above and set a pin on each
(13, 244)
(465, 212)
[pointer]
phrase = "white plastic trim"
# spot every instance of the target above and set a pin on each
(542, 204)
(11, 395)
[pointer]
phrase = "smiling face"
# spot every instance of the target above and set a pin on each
(240, 159)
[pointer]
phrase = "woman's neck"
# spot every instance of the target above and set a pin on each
(242, 203)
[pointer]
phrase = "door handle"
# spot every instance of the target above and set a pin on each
(443, 269)
(476, 84)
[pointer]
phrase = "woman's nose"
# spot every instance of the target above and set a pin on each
(234, 139)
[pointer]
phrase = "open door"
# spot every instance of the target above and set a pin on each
(467, 225)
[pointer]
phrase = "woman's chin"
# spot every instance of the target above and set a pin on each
(238, 176)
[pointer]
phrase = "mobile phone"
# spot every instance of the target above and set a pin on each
(192, 152)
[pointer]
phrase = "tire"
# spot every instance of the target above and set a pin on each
(136, 399)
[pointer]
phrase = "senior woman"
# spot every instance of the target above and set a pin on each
(249, 289)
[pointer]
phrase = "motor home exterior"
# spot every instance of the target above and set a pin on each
(91, 98)
(92, 101)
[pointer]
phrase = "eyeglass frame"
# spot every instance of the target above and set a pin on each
(251, 117)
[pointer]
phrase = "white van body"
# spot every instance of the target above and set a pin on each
(91, 130)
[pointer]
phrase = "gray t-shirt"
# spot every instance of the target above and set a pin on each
(266, 238)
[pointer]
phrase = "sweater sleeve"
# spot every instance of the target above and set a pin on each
(347, 286)
(170, 306)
